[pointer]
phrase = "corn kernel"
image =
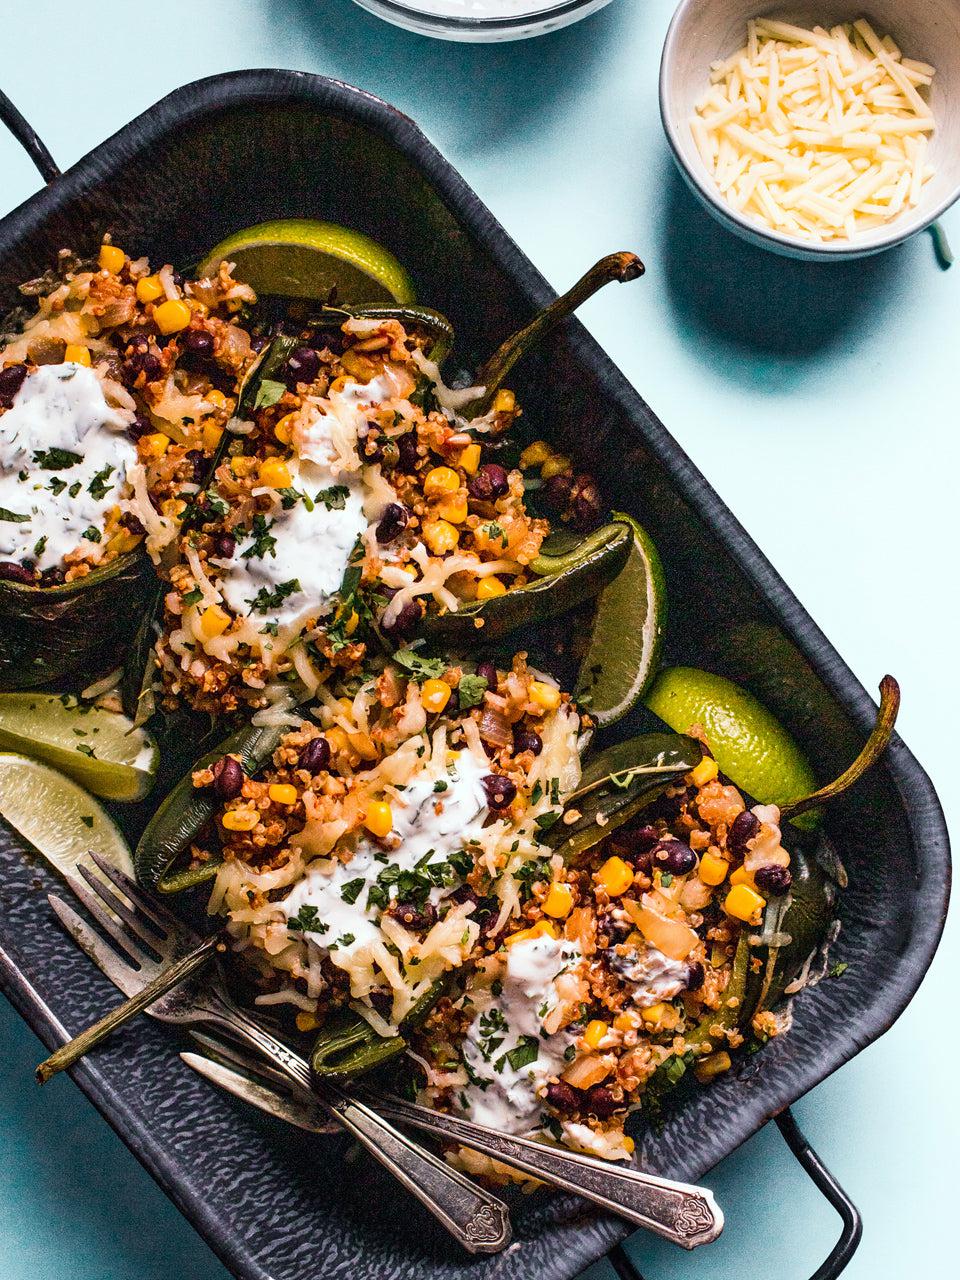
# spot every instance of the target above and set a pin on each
(111, 258)
(555, 466)
(453, 509)
(629, 1145)
(743, 876)
(440, 480)
(544, 695)
(337, 739)
(275, 473)
(616, 876)
(470, 459)
(282, 793)
(306, 1021)
(149, 289)
(440, 536)
(240, 819)
(352, 623)
(379, 818)
(625, 1022)
(704, 772)
(558, 902)
(216, 398)
(653, 1013)
(543, 928)
(536, 454)
(434, 694)
(744, 904)
(172, 316)
(489, 587)
(594, 1033)
(153, 445)
(213, 622)
(363, 745)
(504, 401)
(123, 542)
(210, 435)
(283, 429)
(242, 465)
(75, 354)
(714, 1065)
(173, 507)
(712, 870)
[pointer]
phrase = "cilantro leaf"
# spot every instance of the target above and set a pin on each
(417, 666)
(268, 393)
(12, 517)
(334, 498)
(263, 543)
(55, 459)
(98, 487)
(265, 599)
(352, 890)
(471, 690)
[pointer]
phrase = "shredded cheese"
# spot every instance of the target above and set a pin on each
(819, 135)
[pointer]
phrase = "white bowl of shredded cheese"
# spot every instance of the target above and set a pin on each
(820, 130)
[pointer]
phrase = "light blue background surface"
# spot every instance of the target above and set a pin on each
(823, 404)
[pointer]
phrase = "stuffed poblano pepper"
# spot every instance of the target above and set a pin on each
(115, 383)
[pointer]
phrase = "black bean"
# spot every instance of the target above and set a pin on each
(695, 976)
(315, 755)
(527, 740)
(140, 426)
(490, 482)
(743, 828)
(10, 572)
(224, 545)
(418, 918)
(228, 778)
(601, 1102)
(11, 380)
(612, 929)
(773, 880)
(130, 522)
(198, 342)
(392, 522)
(557, 490)
(407, 452)
(198, 464)
(405, 624)
(371, 447)
(488, 671)
(141, 358)
(586, 505)
(674, 857)
(302, 366)
(382, 1001)
(564, 1097)
(500, 791)
(329, 340)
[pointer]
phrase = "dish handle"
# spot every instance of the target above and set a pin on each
(823, 1180)
(28, 138)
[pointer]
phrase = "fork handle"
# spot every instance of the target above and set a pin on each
(477, 1218)
(687, 1215)
(169, 978)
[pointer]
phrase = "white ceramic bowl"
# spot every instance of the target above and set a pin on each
(478, 22)
(704, 30)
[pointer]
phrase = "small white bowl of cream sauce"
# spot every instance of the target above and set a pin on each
(482, 20)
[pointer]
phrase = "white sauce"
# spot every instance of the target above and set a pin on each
(653, 976)
(60, 406)
(312, 547)
(503, 1096)
(430, 827)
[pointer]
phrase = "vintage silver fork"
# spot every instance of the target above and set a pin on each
(477, 1218)
(687, 1215)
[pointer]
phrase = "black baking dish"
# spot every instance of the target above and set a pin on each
(237, 149)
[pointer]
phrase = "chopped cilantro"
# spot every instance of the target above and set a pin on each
(351, 891)
(307, 919)
(268, 393)
(265, 600)
(87, 819)
(55, 459)
(546, 820)
(418, 666)
(263, 544)
(471, 690)
(98, 487)
(57, 485)
(440, 785)
(75, 488)
(525, 1052)
(85, 749)
(40, 546)
(536, 795)
(92, 534)
(334, 498)
(12, 517)
(192, 597)
(344, 940)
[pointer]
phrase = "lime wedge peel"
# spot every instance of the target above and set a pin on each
(99, 749)
(750, 745)
(57, 817)
(300, 257)
(624, 649)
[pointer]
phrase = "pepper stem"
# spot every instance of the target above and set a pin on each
(873, 749)
(619, 267)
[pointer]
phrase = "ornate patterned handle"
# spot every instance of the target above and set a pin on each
(478, 1219)
(687, 1215)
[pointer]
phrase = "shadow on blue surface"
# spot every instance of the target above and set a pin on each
(489, 91)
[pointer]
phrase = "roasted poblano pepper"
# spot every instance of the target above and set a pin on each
(80, 628)
(187, 809)
(348, 1046)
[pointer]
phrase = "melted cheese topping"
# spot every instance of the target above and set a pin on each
(816, 134)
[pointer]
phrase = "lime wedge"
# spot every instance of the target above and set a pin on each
(58, 818)
(301, 258)
(751, 747)
(624, 646)
(99, 749)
